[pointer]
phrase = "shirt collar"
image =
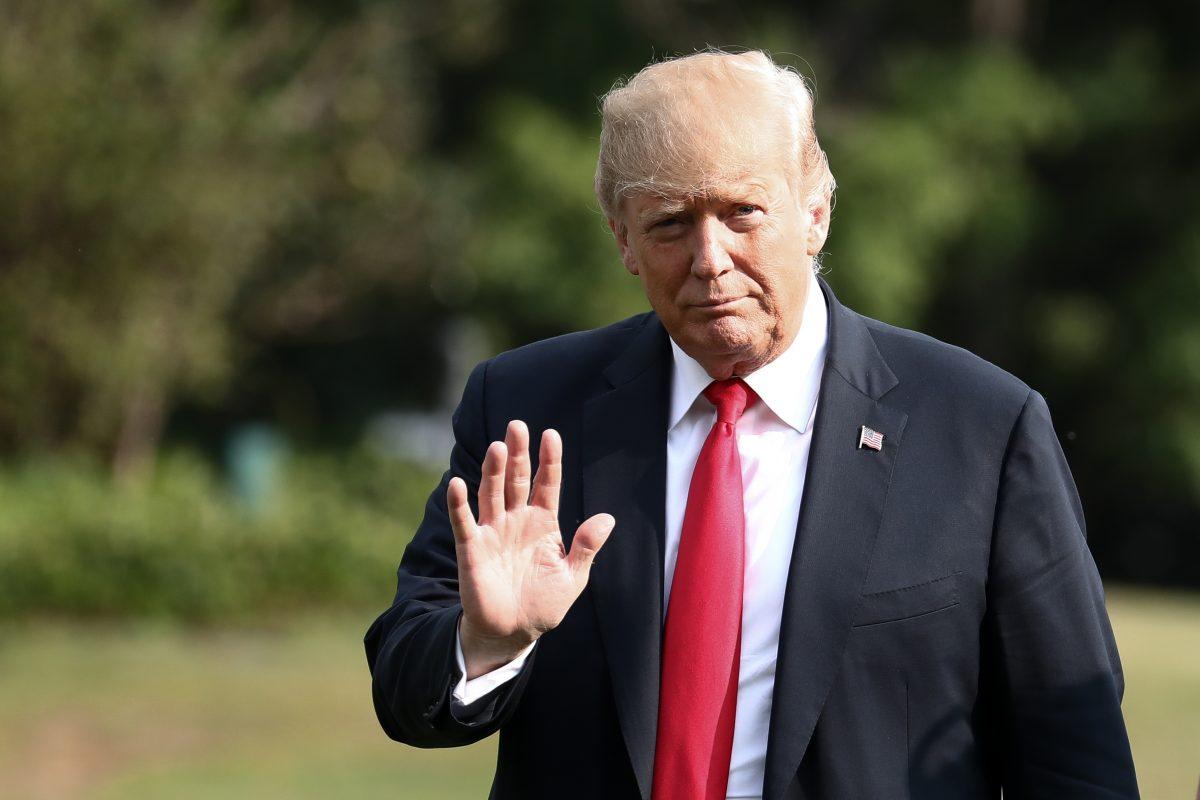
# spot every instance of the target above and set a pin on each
(787, 385)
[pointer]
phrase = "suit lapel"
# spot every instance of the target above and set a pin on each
(840, 513)
(624, 473)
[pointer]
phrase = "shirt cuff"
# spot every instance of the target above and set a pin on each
(468, 691)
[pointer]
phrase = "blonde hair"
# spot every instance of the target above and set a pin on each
(656, 134)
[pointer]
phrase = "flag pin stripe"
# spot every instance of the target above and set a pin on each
(869, 438)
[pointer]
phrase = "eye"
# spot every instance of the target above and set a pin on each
(744, 215)
(666, 226)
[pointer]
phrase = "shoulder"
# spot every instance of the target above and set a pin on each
(545, 381)
(563, 366)
(965, 408)
(945, 375)
(598, 345)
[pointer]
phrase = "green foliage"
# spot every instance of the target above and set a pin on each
(540, 252)
(177, 546)
(162, 165)
(938, 165)
(214, 213)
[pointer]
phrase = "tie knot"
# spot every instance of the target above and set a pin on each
(731, 397)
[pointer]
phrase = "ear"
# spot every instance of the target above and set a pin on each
(818, 224)
(621, 234)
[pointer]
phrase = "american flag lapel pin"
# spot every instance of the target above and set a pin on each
(869, 438)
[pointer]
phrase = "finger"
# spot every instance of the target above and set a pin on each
(549, 475)
(590, 537)
(461, 519)
(516, 482)
(491, 484)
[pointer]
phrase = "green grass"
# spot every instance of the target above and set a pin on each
(142, 711)
(1158, 635)
(132, 712)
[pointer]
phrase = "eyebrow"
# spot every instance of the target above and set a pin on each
(665, 208)
(740, 192)
(662, 209)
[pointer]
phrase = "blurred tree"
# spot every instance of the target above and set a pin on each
(184, 182)
(221, 211)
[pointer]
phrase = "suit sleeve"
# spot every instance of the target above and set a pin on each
(411, 647)
(1049, 644)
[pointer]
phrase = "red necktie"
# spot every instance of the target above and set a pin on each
(702, 641)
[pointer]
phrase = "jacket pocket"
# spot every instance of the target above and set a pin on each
(917, 600)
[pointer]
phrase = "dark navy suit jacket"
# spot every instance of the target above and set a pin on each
(943, 630)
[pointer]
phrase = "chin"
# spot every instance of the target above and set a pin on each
(728, 334)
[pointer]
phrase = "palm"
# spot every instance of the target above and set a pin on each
(515, 578)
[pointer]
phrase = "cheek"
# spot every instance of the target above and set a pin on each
(784, 263)
(664, 272)
(758, 270)
(659, 290)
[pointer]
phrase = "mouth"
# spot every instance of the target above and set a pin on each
(718, 304)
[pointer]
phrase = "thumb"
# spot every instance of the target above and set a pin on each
(589, 538)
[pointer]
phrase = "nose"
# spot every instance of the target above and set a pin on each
(710, 256)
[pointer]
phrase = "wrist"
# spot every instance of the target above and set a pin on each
(484, 653)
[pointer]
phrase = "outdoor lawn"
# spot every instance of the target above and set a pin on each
(132, 711)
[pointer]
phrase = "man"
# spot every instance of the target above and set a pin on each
(848, 560)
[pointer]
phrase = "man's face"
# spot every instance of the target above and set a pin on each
(728, 271)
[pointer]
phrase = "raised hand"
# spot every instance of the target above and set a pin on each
(515, 578)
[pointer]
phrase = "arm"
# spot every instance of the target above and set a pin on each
(480, 591)
(411, 647)
(1048, 642)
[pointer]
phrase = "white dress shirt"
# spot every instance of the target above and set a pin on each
(773, 443)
